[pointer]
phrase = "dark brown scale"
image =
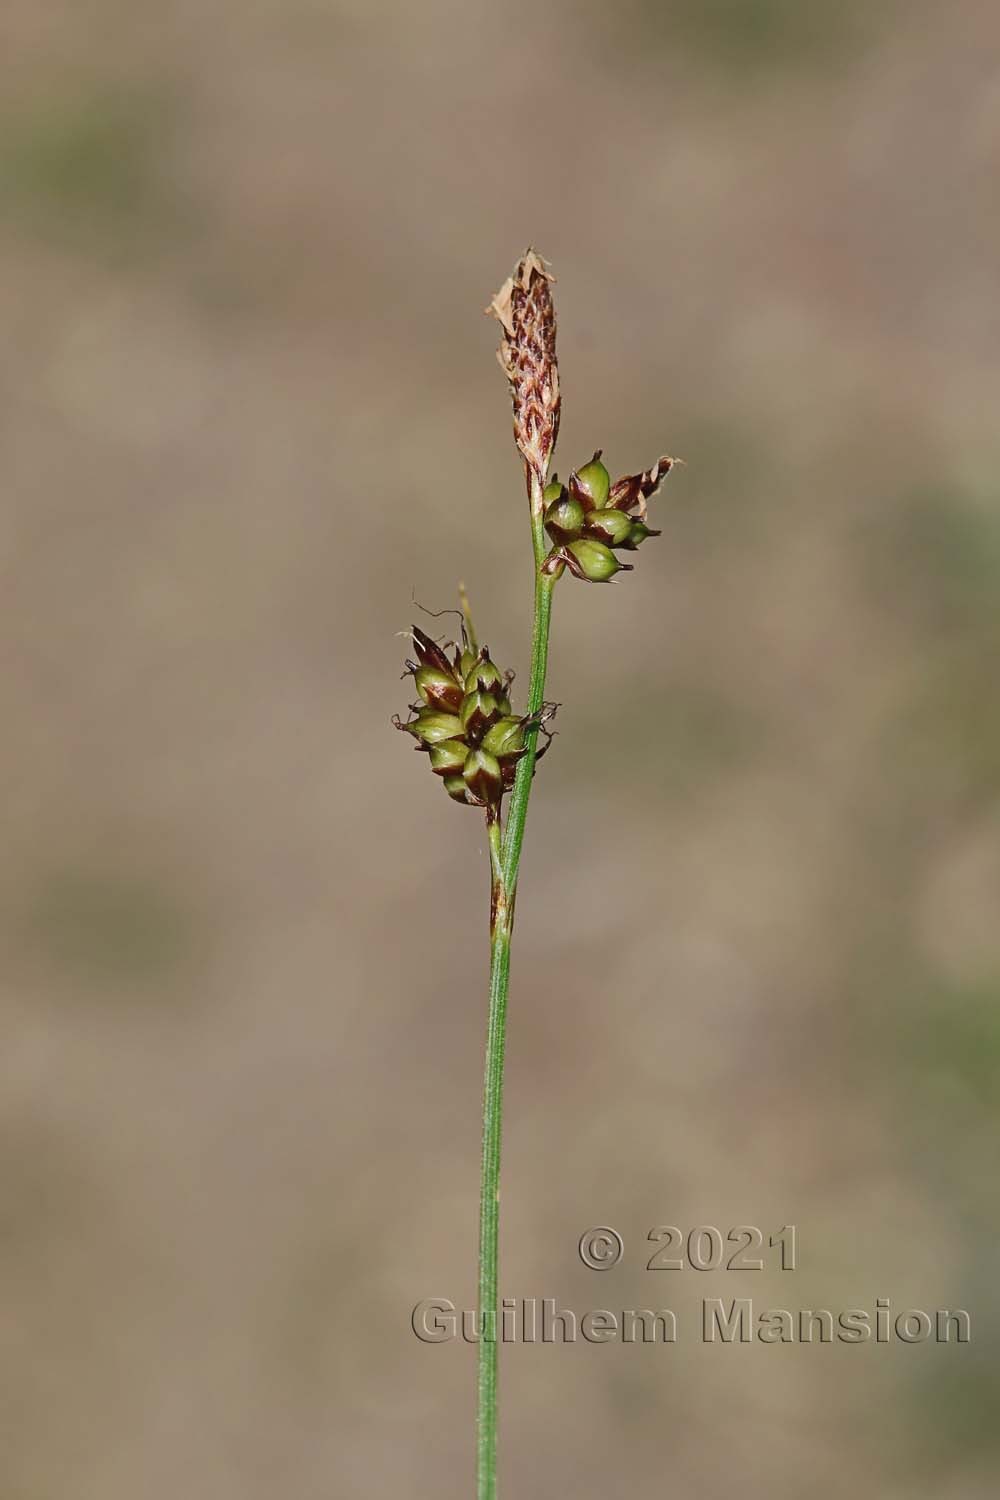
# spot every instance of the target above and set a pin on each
(430, 652)
(636, 489)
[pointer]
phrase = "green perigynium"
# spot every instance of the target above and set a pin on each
(591, 483)
(565, 518)
(462, 718)
(612, 527)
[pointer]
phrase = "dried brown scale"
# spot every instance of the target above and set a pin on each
(636, 489)
(525, 311)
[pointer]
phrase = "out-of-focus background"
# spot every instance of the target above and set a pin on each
(250, 412)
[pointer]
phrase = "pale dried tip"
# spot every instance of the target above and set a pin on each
(500, 307)
(470, 629)
(655, 476)
(638, 489)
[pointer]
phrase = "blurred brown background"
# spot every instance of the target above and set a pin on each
(250, 408)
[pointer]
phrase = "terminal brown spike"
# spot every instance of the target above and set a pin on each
(524, 309)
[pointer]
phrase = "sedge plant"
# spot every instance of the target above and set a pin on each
(480, 747)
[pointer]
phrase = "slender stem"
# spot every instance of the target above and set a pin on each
(544, 584)
(505, 857)
(489, 1204)
(517, 816)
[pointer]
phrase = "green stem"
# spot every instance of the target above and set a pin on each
(517, 816)
(505, 858)
(489, 1205)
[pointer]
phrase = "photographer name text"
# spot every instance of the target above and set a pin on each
(736, 1320)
